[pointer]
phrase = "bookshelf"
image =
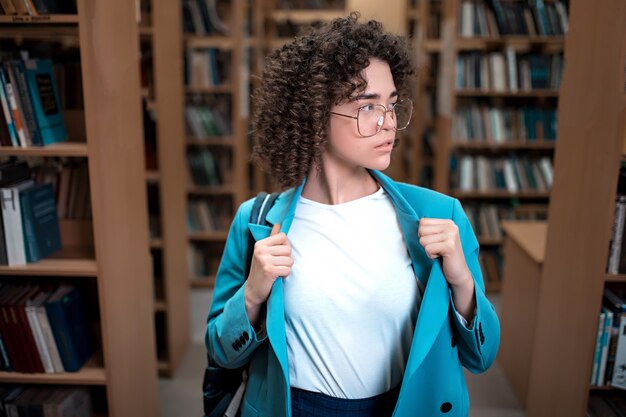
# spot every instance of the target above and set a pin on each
(581, 214)
(160, 40)
(106, 254)
(484, 136)
(216, 92)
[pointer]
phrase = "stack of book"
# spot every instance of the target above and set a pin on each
(609, 364)
(32, 114)
(29, 230)
(43, 329)
(20, 400)
(37, 7)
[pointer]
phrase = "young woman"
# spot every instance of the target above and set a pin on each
(365, 296)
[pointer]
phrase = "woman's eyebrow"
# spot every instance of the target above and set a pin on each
(373, 96)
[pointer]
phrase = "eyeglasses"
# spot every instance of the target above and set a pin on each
(370, 118)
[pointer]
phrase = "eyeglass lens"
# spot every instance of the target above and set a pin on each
(371, 121)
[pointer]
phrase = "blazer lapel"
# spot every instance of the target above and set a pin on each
(282, 213)
(435, 301)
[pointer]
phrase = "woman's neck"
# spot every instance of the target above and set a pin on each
(336, 186)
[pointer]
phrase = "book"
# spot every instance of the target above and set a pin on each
(69, 402)
(618, 378)
(12, 221)
(48, 336)
(69, 325)
(45, 99)
(41, 222)
(33, 321)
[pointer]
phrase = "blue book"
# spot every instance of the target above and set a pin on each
(6, 108)
(17, 67)
(68, 321)
(45, 100)
(42, 236)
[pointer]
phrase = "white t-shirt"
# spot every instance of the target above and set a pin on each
(351, 300)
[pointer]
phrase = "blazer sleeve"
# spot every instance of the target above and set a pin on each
(478, 345)
(230, 338)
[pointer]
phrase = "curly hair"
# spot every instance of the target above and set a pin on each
(304, 78)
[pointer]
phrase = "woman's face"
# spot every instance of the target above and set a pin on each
(346, 146)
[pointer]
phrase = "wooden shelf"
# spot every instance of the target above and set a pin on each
(66, 149)
(216, 141)
(214, 89)
(90, 374)
(499, 194)
(203, 282)
(217, 236)
(493, 286)
(615, 278)
(508, 146)
(163, 366)
(211, 190)
(517, 42)
(160, 306)
(507, 94)
(146, 31)
(156, 243)
(306, 16)
(432, 45)
(217, 42)
(44, 19)
(74, 262)
(153, 176)
(490, 241)
(61, 33)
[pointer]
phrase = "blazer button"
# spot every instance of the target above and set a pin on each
(234, 345)
(246, 336)
(453, 342)
(446, 407)
(242, 340)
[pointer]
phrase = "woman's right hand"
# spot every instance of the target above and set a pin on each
(271, 260)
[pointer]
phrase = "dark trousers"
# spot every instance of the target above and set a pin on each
(313, 404)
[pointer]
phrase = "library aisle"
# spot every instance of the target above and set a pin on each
(180, 395)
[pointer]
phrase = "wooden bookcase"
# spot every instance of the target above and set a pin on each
(235, 47)
(109, 253)
(526, 204)
(590, 147)
(422, 22)
(160, 41)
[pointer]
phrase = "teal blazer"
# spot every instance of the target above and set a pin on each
(433, 382)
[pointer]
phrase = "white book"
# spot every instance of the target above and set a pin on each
(618, 379)
(509, 177)
(33, 322)
(466, 182)
(497, 71)
(546, 170)
(467, 19)
(12, 221)
(48, 338)
(511, 62)
(562, 13)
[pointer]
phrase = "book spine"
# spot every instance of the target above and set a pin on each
(618, 379)
(44, 355)
(30, 239)
(608, 324)
(616, 239)
(30, 344)
(28, 111)
(596, 356)
(7, 111)
(15, 113)
(12, 220)
(60, 330)
(48, 337)
(19, 105)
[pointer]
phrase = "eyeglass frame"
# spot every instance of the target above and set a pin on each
(384, 116)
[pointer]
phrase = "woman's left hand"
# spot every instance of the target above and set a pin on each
(440, 237)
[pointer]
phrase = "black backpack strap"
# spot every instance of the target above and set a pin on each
(262, 205)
